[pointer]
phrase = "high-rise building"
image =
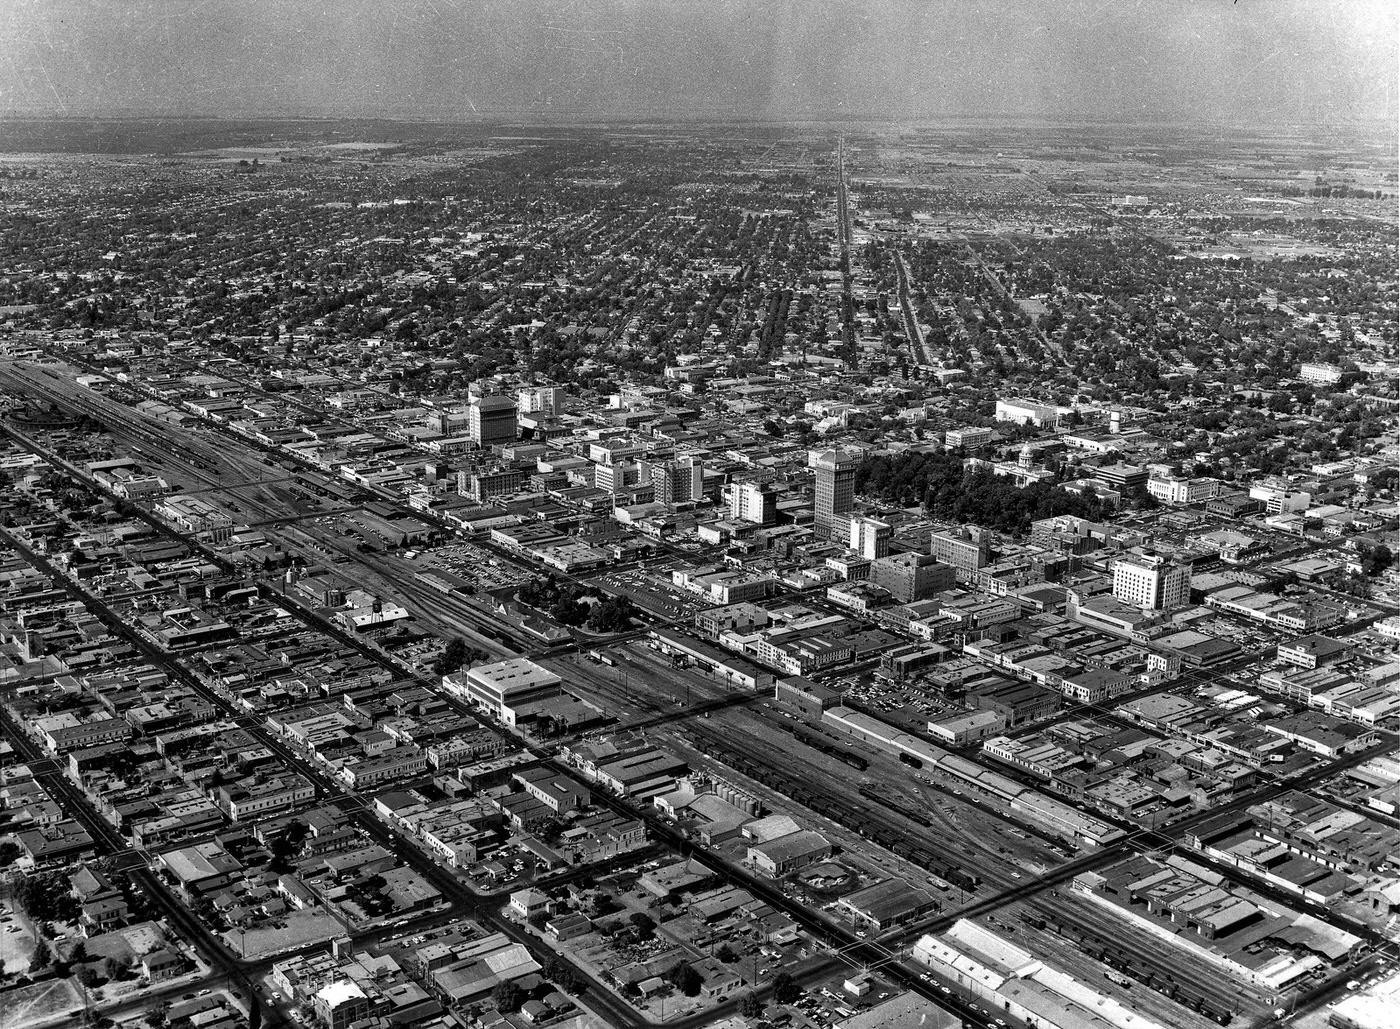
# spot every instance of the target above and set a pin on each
(616, 477)
(870, 537)
(1151, 581)
(539, 400)
(753, 502)
(678, 481)
(695, 468)
(835, 474)
(492, 421)
(911, 577)
(966, 549)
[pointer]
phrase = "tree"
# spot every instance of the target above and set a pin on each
(569, 610)
(87, 975)
(685, 979)
(42, 956)
(1375, 560)
(612, 615)
(643, 924)
(506, 996)
(46, 898)
(453, 657)
(750, 1006)
(727, 954)
(785, 988)
(561, 974)
(287, 845)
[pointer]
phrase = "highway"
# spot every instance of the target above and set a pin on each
(918, 346)
(843, 238)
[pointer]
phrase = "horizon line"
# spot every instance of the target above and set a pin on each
(597, 120)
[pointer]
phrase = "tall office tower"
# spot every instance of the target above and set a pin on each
(870, 537)
(965, 548)
(695, 468)
(753, 502)
(492, 421)
(676, 482)
(1151, 581)
(835, 473)
(540, 400)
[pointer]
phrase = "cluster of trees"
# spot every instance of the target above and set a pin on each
(950, 491)
(612, 614)
(685, 979)
(46, 898)
(563, 601)
(643, 926)
(455, 655)
(1374, 558)
(750, 1006)
(994, 501)
(287, 845)
(570, 604)
(507, 996)
(562, 974)
(786, 989)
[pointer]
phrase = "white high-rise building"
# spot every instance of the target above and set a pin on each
(1151, 581)
(870, 537)
(753, 502)
(540, 400)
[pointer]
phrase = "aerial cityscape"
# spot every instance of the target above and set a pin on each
(589, 570)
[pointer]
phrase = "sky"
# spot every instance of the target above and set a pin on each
(1267, 63)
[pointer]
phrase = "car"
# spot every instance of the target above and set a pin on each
(204, 993)
(944, 989)
(1015, 875)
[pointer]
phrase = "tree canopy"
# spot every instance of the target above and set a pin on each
(949, 490)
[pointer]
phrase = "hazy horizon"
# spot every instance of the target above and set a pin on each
(1213, 62)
